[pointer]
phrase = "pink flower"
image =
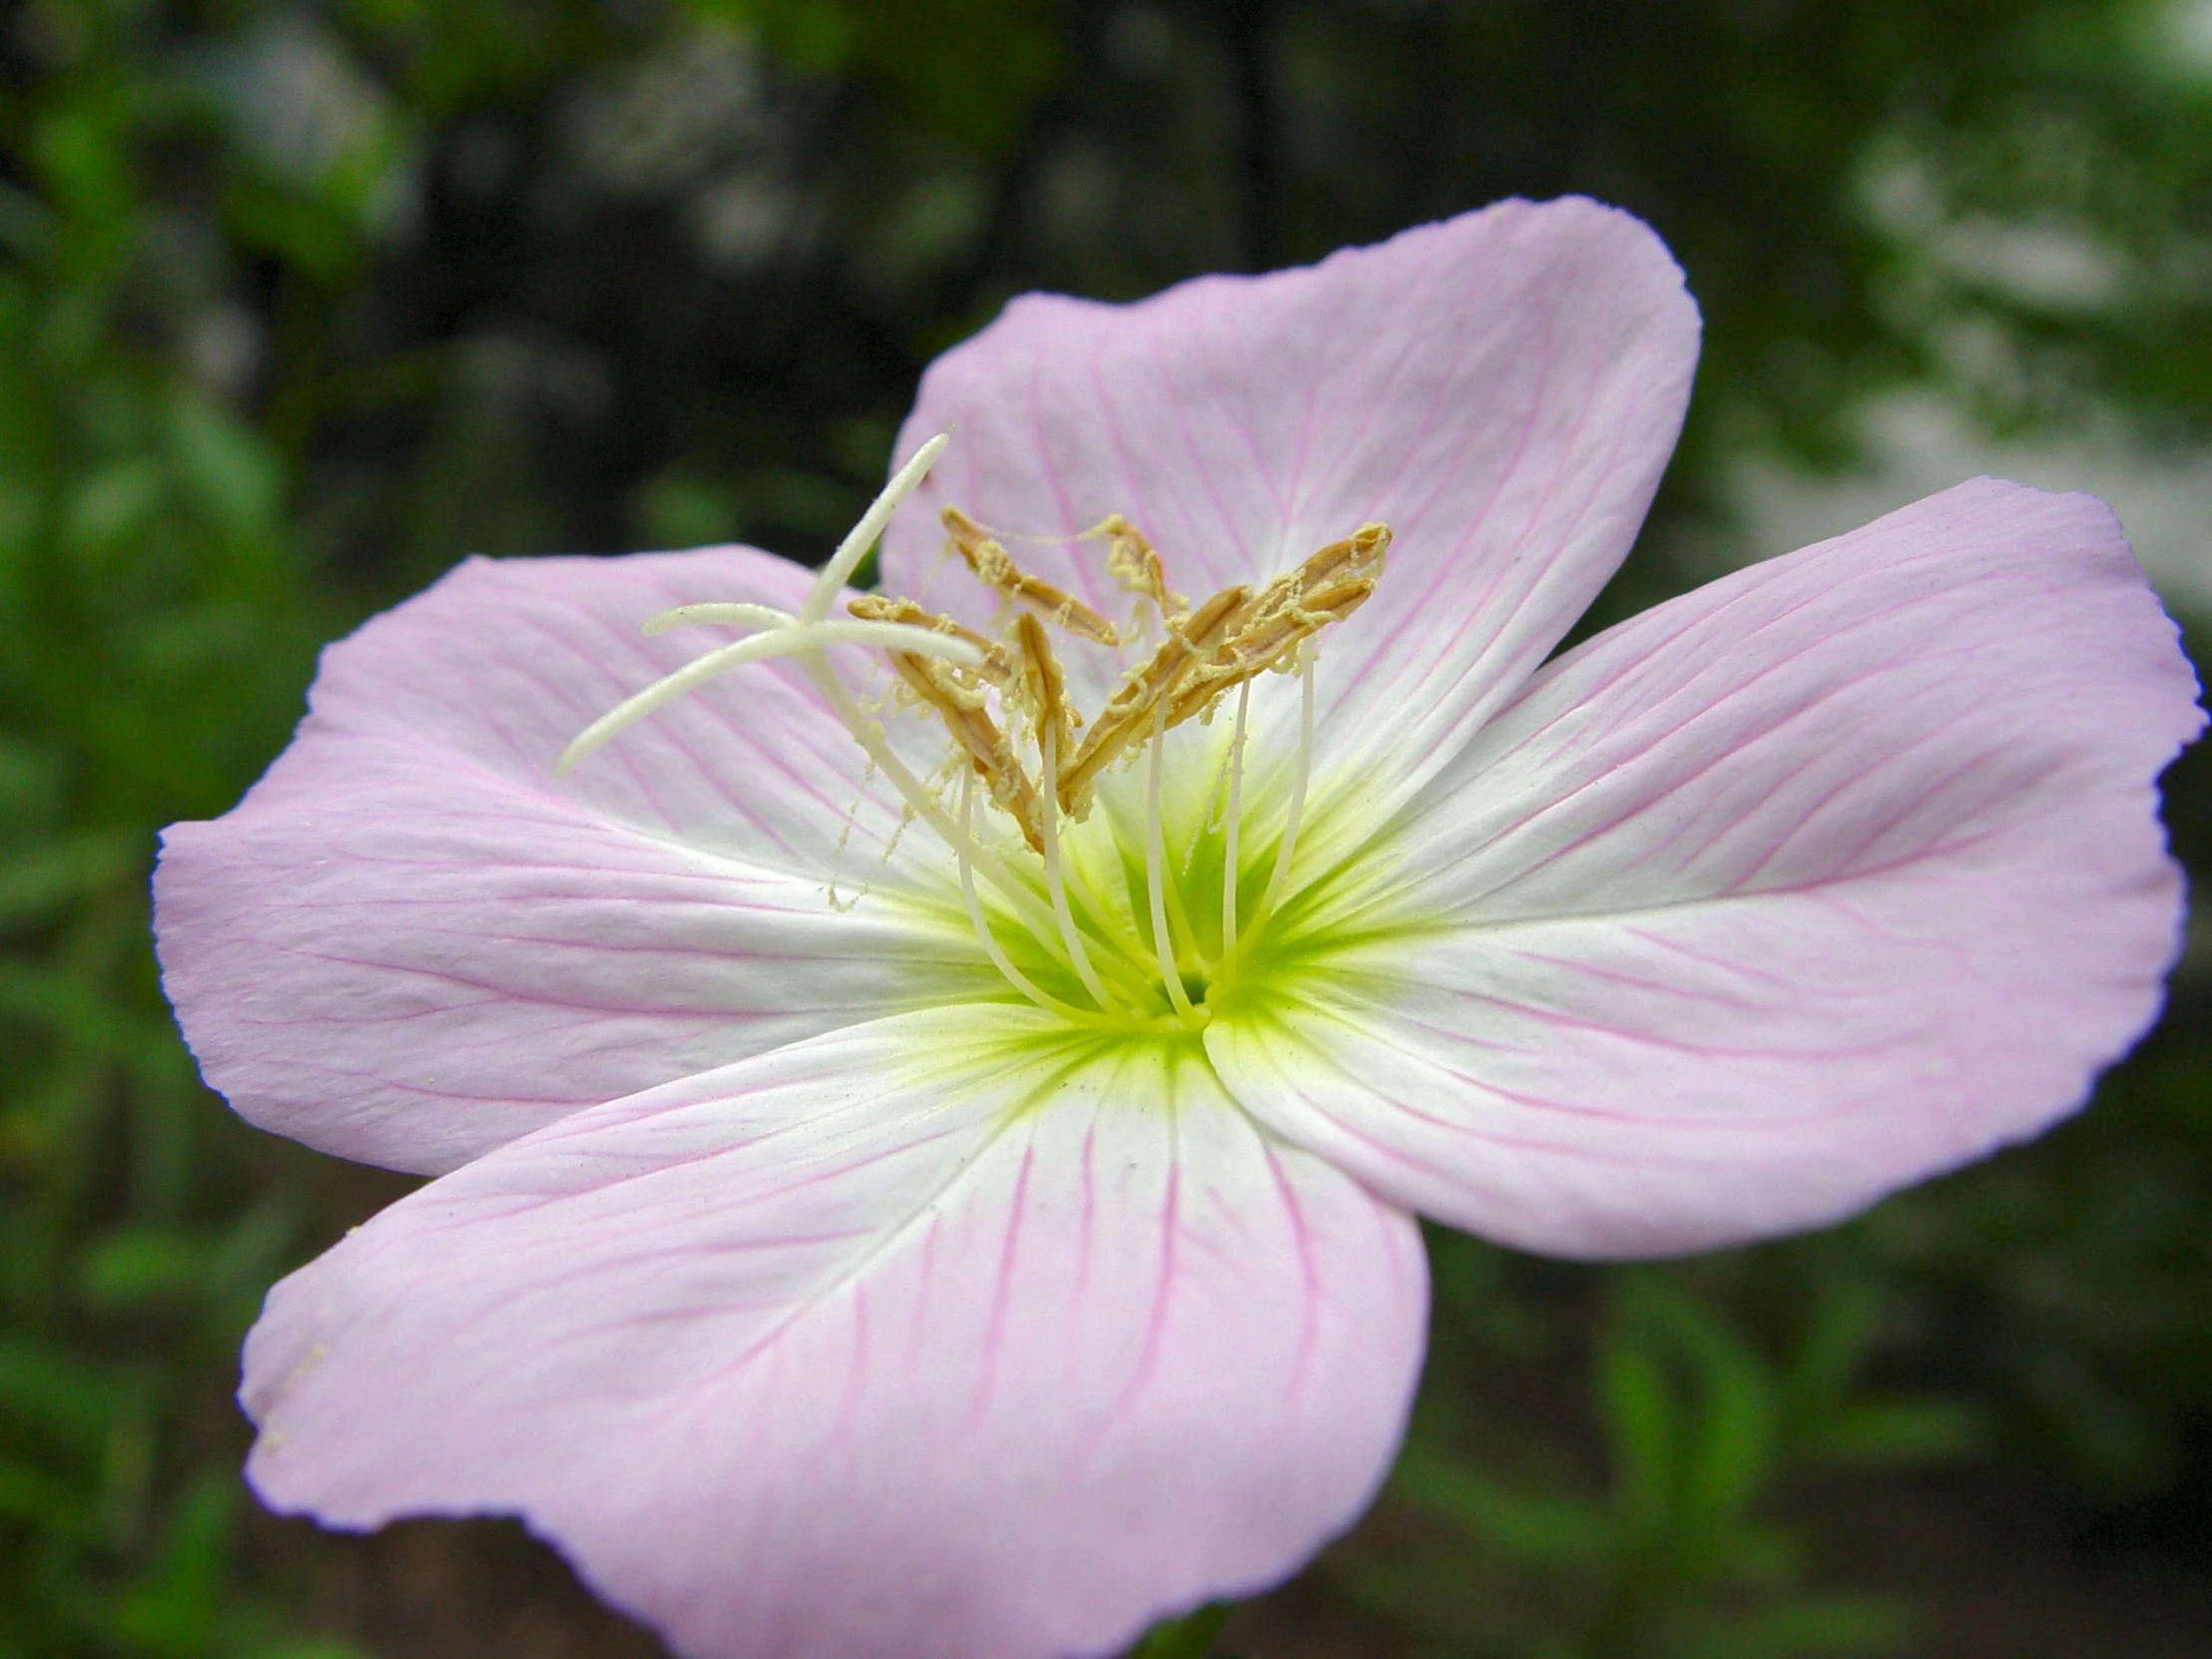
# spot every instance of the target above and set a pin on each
(1019, 1244)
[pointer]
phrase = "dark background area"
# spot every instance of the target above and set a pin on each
(299, 303)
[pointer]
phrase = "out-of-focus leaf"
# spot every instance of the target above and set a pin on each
(1641, 1427)
(173, 1610)
(1539, 1528)
(1809, 1626)
(1833, 1351)
(42, 879)
(113, 506)
(1189, 1637)
(135, 1266)
(926, 50)
(28, 1495)
(26, 228)
(67, 1005)
(1899, 1431)
(1731, 1446)
(226, 466)
(56, 1392)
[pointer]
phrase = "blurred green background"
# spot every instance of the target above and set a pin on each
(299, 303)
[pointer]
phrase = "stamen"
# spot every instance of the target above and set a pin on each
(1128, 712)
(1267, 635)
(869, 735)
(983, 934)
(962, 709)
(796, 639)
(990, 691)
(999, 662)
(1043, 686)
(1285, 851)
(990, 561)
(1155, 888)
(1230, 821)
(1135, 564)
(802, 637)
(1078, 957)
(1360, 554)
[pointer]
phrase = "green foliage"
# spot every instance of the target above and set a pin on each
(153, 636)
(1189, 1637)
(1699, 1428)
(965, 69)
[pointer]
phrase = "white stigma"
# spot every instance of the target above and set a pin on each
(851, 551)
(788, 638)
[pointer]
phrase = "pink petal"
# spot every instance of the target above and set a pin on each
(939, 1337)
(411, 968)
(1836, 873)
(501, 663)
(1503, 389)
(410, 942)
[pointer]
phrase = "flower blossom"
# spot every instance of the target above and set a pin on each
(931, 1090)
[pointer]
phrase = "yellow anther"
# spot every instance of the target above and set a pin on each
(1266, 630)
(1127, 717)
(991, 562)
(1359, 554)
(999, 663)
(1357, 557)
(1043, 690)
(1133, 562)
(971, 727)
(1233, 638)
(1267, 640)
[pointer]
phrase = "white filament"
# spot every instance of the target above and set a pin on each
(1283, 854)
(869, 735)
(1154, 856)
(1049, 815)
(983, 934)
(1229, 825)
